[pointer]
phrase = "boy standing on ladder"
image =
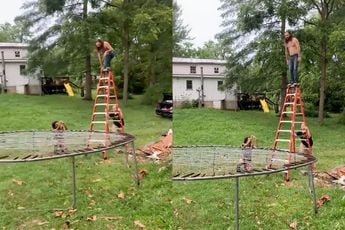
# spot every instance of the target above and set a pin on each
(104, 49)
(293, 56)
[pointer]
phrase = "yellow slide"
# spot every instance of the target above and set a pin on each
(264, 105)
(68, 89)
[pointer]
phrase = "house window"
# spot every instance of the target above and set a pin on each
(193, 69)
(189, 84)
(220, 85)
(17, 53)
(22, 69)
(216, 70)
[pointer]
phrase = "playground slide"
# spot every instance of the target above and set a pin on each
(264, 105)
(69, 89)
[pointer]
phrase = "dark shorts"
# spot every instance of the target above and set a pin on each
(310, 142)
(118, 124)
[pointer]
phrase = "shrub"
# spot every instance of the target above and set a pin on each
(341, 119)
(186, 104)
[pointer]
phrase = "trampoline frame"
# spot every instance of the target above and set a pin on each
(129, 139)
(310, 161)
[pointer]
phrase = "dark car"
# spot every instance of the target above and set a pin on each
(165, 108)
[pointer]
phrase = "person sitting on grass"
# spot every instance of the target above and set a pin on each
(117, 117)
(306, 139)
(246, 160)
(58, 128)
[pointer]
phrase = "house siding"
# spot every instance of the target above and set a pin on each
(213, 97)
(15, 81)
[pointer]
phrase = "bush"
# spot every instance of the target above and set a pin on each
(312, 111)
(154, 94)
(341, 119)
(186, 104)
(195, 103)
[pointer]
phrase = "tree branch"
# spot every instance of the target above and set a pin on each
(110, 4)
(317, 7)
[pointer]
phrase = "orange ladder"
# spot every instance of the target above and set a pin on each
(106, 98)
(291, 119)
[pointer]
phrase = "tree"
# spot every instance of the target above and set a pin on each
(266, 19)
(14, 33)
(180, 32)
(145, 31)
(68, 20)
(326, 9)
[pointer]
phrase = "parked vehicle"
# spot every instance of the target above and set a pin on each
(165, 107)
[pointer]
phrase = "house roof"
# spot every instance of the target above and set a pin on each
(198, 61)
(13, 45)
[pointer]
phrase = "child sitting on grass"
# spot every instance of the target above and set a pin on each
(246, 160)
(58, 128)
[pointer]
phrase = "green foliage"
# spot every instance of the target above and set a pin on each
(186, 104)
(341, 119)
(180, 32)
(14, 33)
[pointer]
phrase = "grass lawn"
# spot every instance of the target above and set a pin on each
(266, 202)
(29, 190)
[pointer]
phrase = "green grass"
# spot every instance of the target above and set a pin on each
(48, 184)
(266, 202)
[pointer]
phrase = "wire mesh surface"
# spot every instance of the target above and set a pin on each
(23, 146)
(212, 162)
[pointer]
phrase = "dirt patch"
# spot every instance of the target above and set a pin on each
(332, 177)
(158, 150)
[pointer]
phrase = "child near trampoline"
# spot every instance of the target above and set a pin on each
(246, 160)
(104, 49)
(306, 139)
(59, 127)
(117, 117)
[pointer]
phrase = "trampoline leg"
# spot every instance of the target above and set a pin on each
(312, 187)
(237, 217)
(136, 176)
(73, 184)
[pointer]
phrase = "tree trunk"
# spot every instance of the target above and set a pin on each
(125, 42)
(323, 66)
(152, 69)
(283, 81)
(88, 79)
(125, 63)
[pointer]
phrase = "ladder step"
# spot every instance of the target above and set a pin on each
(98, 122)
(288, 112)
(284, 131)
(103, 104)
(283, 140)
(100, 113)
(104, 95)
(104, 78)
(105, 87)
(296, 122)
(290, 94)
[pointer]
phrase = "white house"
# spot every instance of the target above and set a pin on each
(189, 74)
(13, 61)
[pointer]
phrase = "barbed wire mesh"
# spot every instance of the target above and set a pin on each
(40, 145)
(202, 162)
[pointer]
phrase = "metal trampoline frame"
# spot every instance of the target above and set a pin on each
(128, 139)
(310, 160)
